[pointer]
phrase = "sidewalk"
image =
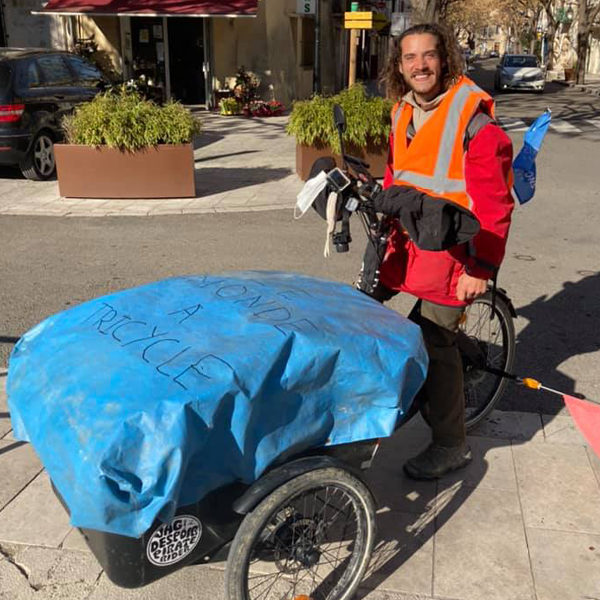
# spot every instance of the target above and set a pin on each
(521, 523)
(591, 85)
(250, 168)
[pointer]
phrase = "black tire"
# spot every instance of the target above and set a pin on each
(291, 531)
(496, 337)
(39, 164)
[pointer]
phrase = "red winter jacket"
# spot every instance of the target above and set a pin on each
(434, 275)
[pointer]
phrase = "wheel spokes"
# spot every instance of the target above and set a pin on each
(305, 547)
(44, 155)
(491, 336)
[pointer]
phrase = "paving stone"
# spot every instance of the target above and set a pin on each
(188, 583)
(392, 488)
(492, 466)
(366, 594)
(231, 201)
(13, 583)
(58, 573)
(510, 425)
(480, 546)
(19, 465)
(558, 488)
(75, 541)
(5, 424)
(35, 517)
(561, 430)
(566, 565)
(403, 556)
(595, 462)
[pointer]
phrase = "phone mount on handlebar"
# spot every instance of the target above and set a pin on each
(365, 185)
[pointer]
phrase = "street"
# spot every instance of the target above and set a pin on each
(521, 521)
(550, 271)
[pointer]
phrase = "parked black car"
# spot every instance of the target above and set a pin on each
(37, 88)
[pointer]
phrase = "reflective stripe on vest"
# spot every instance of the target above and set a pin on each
(440, 183)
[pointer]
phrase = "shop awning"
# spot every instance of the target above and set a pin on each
(147, 8)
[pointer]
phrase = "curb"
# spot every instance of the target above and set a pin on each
(585, 88)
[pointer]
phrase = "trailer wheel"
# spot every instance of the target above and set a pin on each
(311, 538)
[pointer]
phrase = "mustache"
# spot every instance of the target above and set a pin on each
(422, 73)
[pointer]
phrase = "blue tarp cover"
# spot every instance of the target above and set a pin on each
(147, 399)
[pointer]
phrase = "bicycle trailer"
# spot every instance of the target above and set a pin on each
(178, 416)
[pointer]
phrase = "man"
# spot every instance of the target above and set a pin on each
(444, 143)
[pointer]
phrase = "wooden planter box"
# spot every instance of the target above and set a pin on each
(164, 171)
(375, 155)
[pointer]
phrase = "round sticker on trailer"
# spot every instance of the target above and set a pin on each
(173, 541)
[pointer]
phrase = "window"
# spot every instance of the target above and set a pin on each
(4, 78)
(85, 71)
(32, 75)
(54, 70)
(520, 61)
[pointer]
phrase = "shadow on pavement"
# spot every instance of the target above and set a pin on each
(410, 512)
(206, 138)
(11, 446)
(215, 180)
(8, 339)
(218, 156)
(559, 328)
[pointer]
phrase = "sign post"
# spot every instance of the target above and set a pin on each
(355, 21)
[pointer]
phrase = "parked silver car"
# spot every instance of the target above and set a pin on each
(519, 71)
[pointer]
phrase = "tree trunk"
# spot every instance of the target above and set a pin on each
(550, 35)
(583, 29)
(435, 10)
(432, 11)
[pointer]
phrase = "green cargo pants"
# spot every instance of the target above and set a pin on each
(442, 397)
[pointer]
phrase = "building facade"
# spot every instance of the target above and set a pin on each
(191, 56)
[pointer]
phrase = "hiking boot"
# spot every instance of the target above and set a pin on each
(436, 461)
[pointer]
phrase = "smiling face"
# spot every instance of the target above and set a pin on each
(421, 66)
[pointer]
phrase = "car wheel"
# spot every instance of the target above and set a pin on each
(39, 164)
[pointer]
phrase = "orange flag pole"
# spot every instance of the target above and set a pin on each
(585, 412)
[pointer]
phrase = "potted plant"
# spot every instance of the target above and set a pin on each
(260, 108)
(120, 145)
(246, 86)
(230, 106)
(571, 70)
(368, 128)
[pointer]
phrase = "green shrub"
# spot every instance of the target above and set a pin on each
(230, 106)
(366, 118)
(123, 119)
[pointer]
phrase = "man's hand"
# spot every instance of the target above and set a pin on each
(469, 288)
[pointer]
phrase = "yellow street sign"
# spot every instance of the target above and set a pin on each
(364, 20)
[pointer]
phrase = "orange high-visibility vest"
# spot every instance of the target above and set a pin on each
(433, 162)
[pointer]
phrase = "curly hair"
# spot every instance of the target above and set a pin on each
(453, 64)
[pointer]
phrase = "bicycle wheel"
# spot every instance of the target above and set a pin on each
(496, 339)
(310, 538)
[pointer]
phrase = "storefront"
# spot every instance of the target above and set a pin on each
(167, 43)
(172, 55)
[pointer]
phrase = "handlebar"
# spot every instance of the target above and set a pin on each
(357, 196)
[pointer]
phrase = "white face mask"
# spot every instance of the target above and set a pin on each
(308, 194)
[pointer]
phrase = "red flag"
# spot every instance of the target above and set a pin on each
(587, 418)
